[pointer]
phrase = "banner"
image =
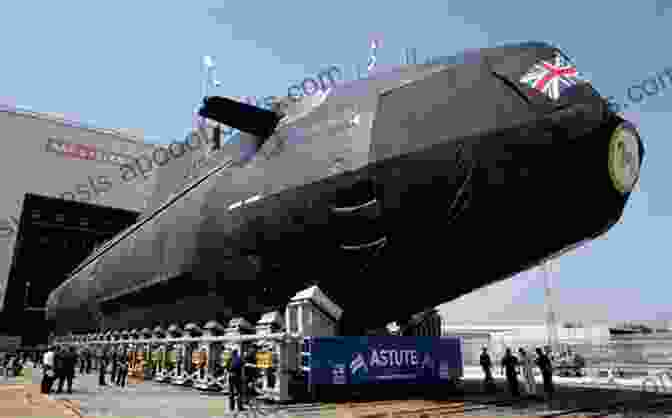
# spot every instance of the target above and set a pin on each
(199, 357)
(156, 355)
(264, 360)
(361, 360)
(224, 358)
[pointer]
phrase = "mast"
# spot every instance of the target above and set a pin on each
(551, 320)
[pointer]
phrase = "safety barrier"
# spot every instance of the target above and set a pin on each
(665, 379)
(196, 356)
(625, 376)
(185, 365)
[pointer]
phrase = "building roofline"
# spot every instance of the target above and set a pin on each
(63, 120)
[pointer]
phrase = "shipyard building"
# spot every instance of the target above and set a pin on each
(67, 188)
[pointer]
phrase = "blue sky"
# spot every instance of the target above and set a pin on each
(136, 64)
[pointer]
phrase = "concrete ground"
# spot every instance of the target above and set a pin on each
(138, 399)
(20, 397)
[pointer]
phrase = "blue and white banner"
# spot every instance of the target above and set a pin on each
(360, 360)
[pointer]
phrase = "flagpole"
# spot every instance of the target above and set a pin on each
(204, 86)
(373, 56)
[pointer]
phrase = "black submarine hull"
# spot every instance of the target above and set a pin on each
(453, 209)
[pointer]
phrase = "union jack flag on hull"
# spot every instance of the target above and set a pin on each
(552, 78)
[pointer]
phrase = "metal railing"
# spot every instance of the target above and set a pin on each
(665, 379)
(221, 338)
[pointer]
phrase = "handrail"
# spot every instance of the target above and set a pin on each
(659, 376)
(128, 231)
(220, 338)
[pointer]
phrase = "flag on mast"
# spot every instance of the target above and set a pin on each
(372, 57)
(210, 67)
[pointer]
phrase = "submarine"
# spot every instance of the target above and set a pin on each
(393, 193)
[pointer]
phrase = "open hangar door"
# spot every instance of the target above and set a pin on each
(54, 236)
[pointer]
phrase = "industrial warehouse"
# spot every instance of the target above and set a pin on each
(68, 188)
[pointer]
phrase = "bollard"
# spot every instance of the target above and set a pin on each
(136, 356)
(269, 358)
(212, 372)
(186, 374)
(197, 356)
(147, 365)
(176, 354)
(161, 374)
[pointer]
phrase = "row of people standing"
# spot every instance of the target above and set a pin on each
(60, 364)
(512, 366)
(12, 365)
(116, 364)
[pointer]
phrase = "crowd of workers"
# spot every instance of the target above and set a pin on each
(242, 371)
(523, 364)
(60, 363)
(11, 365)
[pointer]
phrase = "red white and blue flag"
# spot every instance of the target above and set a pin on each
(372, 57)
(553, 78)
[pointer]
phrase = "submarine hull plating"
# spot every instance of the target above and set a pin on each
(457, 194)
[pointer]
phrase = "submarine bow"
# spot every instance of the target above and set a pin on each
(396, 193)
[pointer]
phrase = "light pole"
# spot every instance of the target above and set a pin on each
(551, 323)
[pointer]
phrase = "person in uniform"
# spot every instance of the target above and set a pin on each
(528, 372)
(89, 360)
(546, 368)
(122, 370)
(102, 365)
(486, 365)
(510, 366)
(114, 359)
(9, 366)
(48, 369)
(82, 361)
(59, 366)
(68, 365)
(235, 368)
(251, 371)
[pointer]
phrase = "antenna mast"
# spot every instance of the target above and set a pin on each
(551, 321)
